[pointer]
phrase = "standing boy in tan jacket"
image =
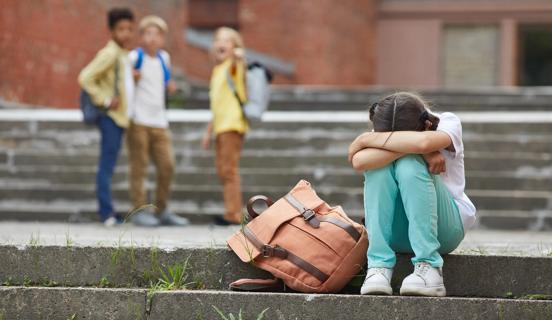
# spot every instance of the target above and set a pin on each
(104, 80)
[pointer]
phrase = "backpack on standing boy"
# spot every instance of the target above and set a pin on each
(257, 80)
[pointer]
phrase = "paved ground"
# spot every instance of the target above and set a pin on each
(527, 243)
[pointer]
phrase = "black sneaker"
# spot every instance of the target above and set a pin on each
(220, 221)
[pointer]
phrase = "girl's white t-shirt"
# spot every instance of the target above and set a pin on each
(454, 176)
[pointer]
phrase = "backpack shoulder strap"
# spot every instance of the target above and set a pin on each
(140, 59)
(232, 86)
(166, 70)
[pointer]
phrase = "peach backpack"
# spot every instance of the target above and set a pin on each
(300, 239)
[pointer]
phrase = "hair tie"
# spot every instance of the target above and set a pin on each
(394, 112)
(424, 116)
(373, 106)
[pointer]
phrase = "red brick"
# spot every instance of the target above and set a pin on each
(45, 44)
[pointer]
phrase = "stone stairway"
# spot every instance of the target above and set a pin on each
(71, 282)
(293, 98)
(48, 158)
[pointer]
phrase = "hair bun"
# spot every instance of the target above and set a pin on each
(424, 116)
(373, 109)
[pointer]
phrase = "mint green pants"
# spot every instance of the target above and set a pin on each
(408, 210)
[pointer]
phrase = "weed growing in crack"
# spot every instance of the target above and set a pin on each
(68, 241)
(27, 281)
(104, 282)
(34, 240)
(240, 316)
(7, 283)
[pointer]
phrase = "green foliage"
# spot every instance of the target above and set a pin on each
(27, 281)
(73, 317)
(68, 241)
(240, 316)
(174, 278)
(34, 240)
(7, 283)
(104, 282)
(49, 283)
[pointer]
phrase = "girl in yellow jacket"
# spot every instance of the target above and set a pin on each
(228, 123)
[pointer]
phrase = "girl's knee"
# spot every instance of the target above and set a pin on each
(377, 174)
(410, 166)
(410, 161)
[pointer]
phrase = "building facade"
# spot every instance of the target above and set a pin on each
(404, 43)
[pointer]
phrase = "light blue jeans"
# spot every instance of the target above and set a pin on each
(408, 210)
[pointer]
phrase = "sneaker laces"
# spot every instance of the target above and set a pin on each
(374, 271)
(421, 268)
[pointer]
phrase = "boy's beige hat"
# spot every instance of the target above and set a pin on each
(156, 21)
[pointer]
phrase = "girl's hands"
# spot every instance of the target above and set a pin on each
(436, 162)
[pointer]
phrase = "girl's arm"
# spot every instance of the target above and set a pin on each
(372, 158)
(412, 142)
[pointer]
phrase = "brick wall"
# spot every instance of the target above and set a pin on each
(330, 42)
(44, 44)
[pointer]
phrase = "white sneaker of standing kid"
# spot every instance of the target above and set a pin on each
(424, 281)
(378, 281)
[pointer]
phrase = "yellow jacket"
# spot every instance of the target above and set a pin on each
(98, 78)
(227, 112)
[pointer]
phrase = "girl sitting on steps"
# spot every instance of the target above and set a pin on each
(414, 200)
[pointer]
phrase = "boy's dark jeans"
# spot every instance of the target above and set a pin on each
(110, 144)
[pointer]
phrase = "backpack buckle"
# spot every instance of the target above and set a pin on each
(308, 214)
(267, 251)
(276, 251)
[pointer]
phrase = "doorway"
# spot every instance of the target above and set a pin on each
(535, 55)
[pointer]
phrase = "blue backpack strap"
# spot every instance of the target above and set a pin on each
(166, 71)
(140, 59)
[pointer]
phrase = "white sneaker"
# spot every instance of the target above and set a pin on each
(424, 281)
(378, 281)
(111, 222)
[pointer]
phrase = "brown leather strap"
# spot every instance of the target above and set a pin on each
(276, 251)
(342, 224)
(314, 271)
(308, 214)
(258, 285)
(251, 211)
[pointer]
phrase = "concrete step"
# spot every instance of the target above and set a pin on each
(214, 268)
(349, 197)
(478, 161)
(193, 121)
(198, 213)
(41, 175)
(312, 98)
(311, 140)
(133, 304)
